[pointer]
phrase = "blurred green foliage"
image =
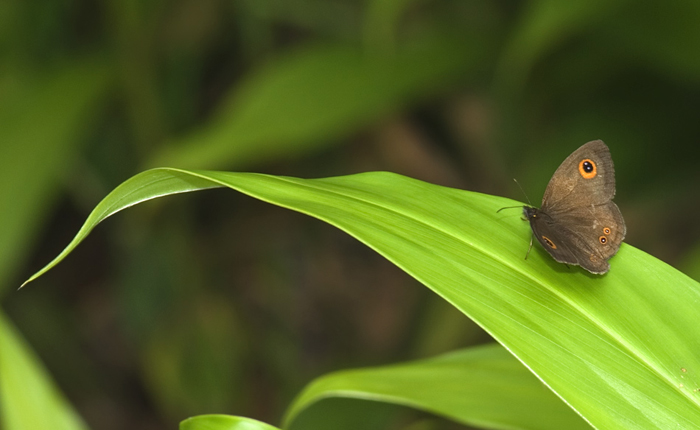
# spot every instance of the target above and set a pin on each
(464, 93)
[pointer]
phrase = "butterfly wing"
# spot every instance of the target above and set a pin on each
(586, 177)
(550, 235)
(587, 237)
(578, 223)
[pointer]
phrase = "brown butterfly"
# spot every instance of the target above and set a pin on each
(578, 223)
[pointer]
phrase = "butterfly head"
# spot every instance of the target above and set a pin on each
(530, 213)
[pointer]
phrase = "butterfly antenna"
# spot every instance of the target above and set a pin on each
(509, 207)
(524, 193)
(526, 198)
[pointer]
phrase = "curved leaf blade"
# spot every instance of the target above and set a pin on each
(223, 422)
(41, 122)
(306, 98)
(148, 185)
(483, 387)
(612, 347)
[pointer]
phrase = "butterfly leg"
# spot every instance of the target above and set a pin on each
(530, 247)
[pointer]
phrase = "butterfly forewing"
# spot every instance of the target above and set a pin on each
(569, 189)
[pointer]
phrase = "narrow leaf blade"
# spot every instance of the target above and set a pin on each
(28, 398)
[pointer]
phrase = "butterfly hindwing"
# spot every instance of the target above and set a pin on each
(584, 239)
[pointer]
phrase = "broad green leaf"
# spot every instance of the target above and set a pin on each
(28, 399)
(223, 422)
(620, 349)
(633, 31)
(381, 22)
(544, 25)
(483, 387)
(306, 97)
(669, 48)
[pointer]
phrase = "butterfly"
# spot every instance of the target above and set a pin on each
(578, 223)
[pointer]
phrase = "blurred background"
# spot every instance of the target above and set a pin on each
(214, 302)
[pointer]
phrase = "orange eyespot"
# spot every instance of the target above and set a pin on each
(603, 240)
(587, 168)
(549, 242)
(606, 231)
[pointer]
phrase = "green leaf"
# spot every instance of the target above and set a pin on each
(223, 422)
(472, 386)
(28, 399)
(304, 98)
(381, 22)
(544, 25)
(145, 186)
(669, 48)
(621, 349)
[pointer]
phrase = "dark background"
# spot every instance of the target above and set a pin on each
(217, 303)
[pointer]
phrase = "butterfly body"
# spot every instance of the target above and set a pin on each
(578, 223)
